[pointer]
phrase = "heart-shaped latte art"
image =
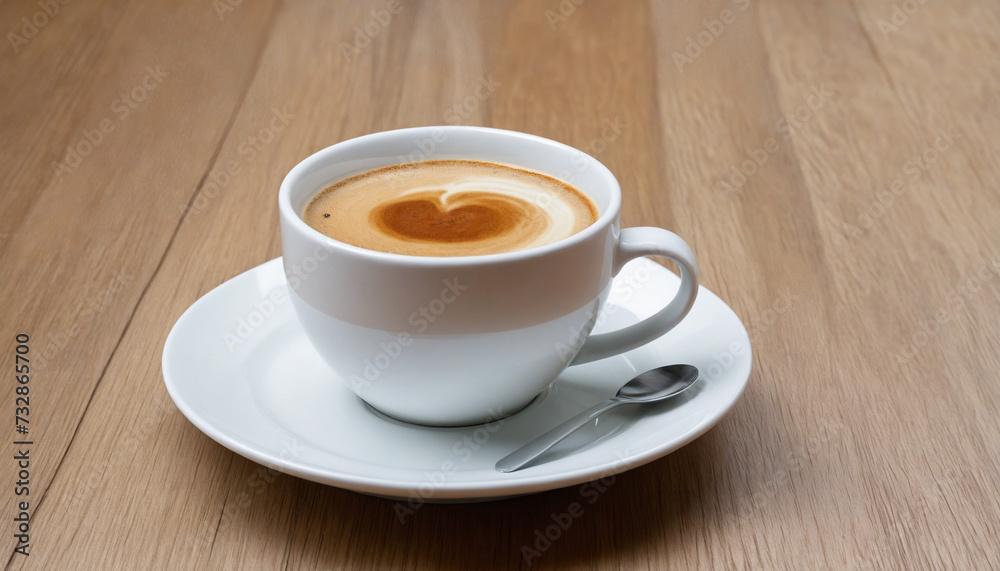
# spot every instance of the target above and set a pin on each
(479, 216)
(449, 208)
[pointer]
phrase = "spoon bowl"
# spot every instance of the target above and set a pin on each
(659, 383)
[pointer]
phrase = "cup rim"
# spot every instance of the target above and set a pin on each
(289, 216)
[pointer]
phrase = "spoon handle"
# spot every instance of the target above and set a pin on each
(517, 459)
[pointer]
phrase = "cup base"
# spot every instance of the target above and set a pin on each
(488, 420)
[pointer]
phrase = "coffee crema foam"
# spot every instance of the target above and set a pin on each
(450, 208)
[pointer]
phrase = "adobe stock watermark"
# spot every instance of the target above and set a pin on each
(544, 538)
(701, 41)
(611, 129)
(122, 108)
(795, 461)
(929, 497)
(899, 17)
(86, 311)
(297, 274)
(247, 325)
(364, 34)
(758, 157)
(723, 361)
(625, 285)
(913, 169)
(256, 484)
(563, 11)
(35, 23)
(461, 110)
(758, 323)
(633, 278)
(223, 8)
(124, 451)
(420, 320)
(425, 148)
(955, 300)
(817, 565)
(462, 451)
(221, 177)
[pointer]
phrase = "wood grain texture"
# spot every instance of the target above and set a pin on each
(860, 245)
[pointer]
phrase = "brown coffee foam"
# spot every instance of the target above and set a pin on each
(450, 208)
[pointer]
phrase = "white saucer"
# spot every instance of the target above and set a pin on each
(239, 366)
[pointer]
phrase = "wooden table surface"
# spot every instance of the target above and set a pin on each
(834, 165)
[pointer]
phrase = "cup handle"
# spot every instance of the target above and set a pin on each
(635, 243)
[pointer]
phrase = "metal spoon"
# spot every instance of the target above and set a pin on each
(651, 386)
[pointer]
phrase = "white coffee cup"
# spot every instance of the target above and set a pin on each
(449, 341)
